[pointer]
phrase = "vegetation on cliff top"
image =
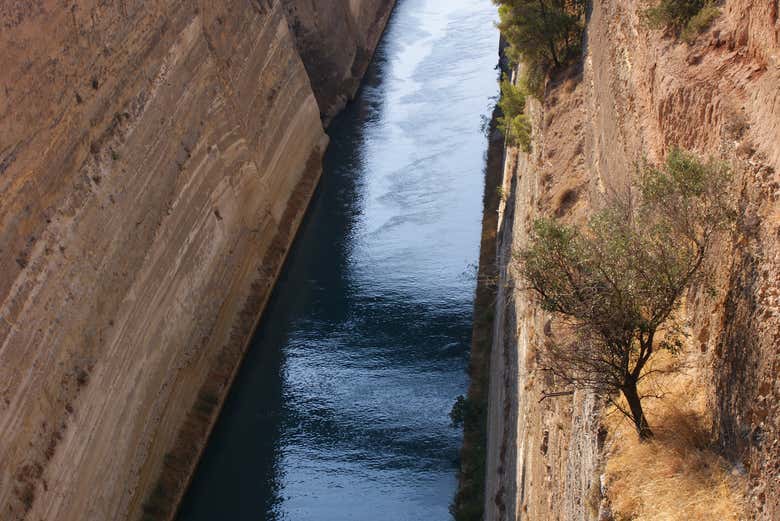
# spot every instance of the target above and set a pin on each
(542, 35)
(618, 282)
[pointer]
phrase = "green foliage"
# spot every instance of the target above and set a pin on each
(468, 504)
(699, 23)
(619, 281)
(513, 123)
(688, 196)
(501, 193)
(543, 32)
(542, 35)
(517, 131)
(532, 80)
(459, 411)
(513, 98)
(672, 14)
(685, 18)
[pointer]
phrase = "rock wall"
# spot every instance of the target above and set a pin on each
(543, 453)
(156, 158)
(641, 92)
(720, 97)
(336, 39)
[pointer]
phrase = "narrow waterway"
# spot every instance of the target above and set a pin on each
(340, 410)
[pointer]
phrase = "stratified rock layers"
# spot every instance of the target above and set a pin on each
(336, 39)
(156, 158)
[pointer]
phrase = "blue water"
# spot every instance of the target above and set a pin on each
(340, 410)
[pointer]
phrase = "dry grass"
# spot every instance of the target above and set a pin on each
(678, 475)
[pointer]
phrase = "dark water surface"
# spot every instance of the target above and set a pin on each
(340, 410)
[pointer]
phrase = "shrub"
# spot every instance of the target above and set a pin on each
(513, 123)
(532, 80)
(458, 411)
(699, 23)
(685, 18)
(518, 131)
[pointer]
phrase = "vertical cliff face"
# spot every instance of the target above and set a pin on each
(155, 161)
(543, 453)
(336, 39)
(640, 92)
(720, 97)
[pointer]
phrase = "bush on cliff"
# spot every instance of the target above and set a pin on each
(685, 18)
(618, 282)
(699, 23)
(514, 123)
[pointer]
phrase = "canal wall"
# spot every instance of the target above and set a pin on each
(335, 40)
(156, 159)
(639, 92)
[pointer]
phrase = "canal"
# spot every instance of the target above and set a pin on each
(340, 409)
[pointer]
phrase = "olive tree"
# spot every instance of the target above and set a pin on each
(618, 281)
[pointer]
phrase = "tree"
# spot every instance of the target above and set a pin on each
(544, 32)
(618, 282)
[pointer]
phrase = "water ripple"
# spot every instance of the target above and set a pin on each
(340, 410)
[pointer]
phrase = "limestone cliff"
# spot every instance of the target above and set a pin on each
(155, 161)
(640, 92)
(336, 40)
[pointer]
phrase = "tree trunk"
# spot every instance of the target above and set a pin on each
(550, 41)
(637, 414)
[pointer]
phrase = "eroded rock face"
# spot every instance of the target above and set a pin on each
(642, 92)
(543, 453)
(720, 97)
(155, 160)
(336, 39)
